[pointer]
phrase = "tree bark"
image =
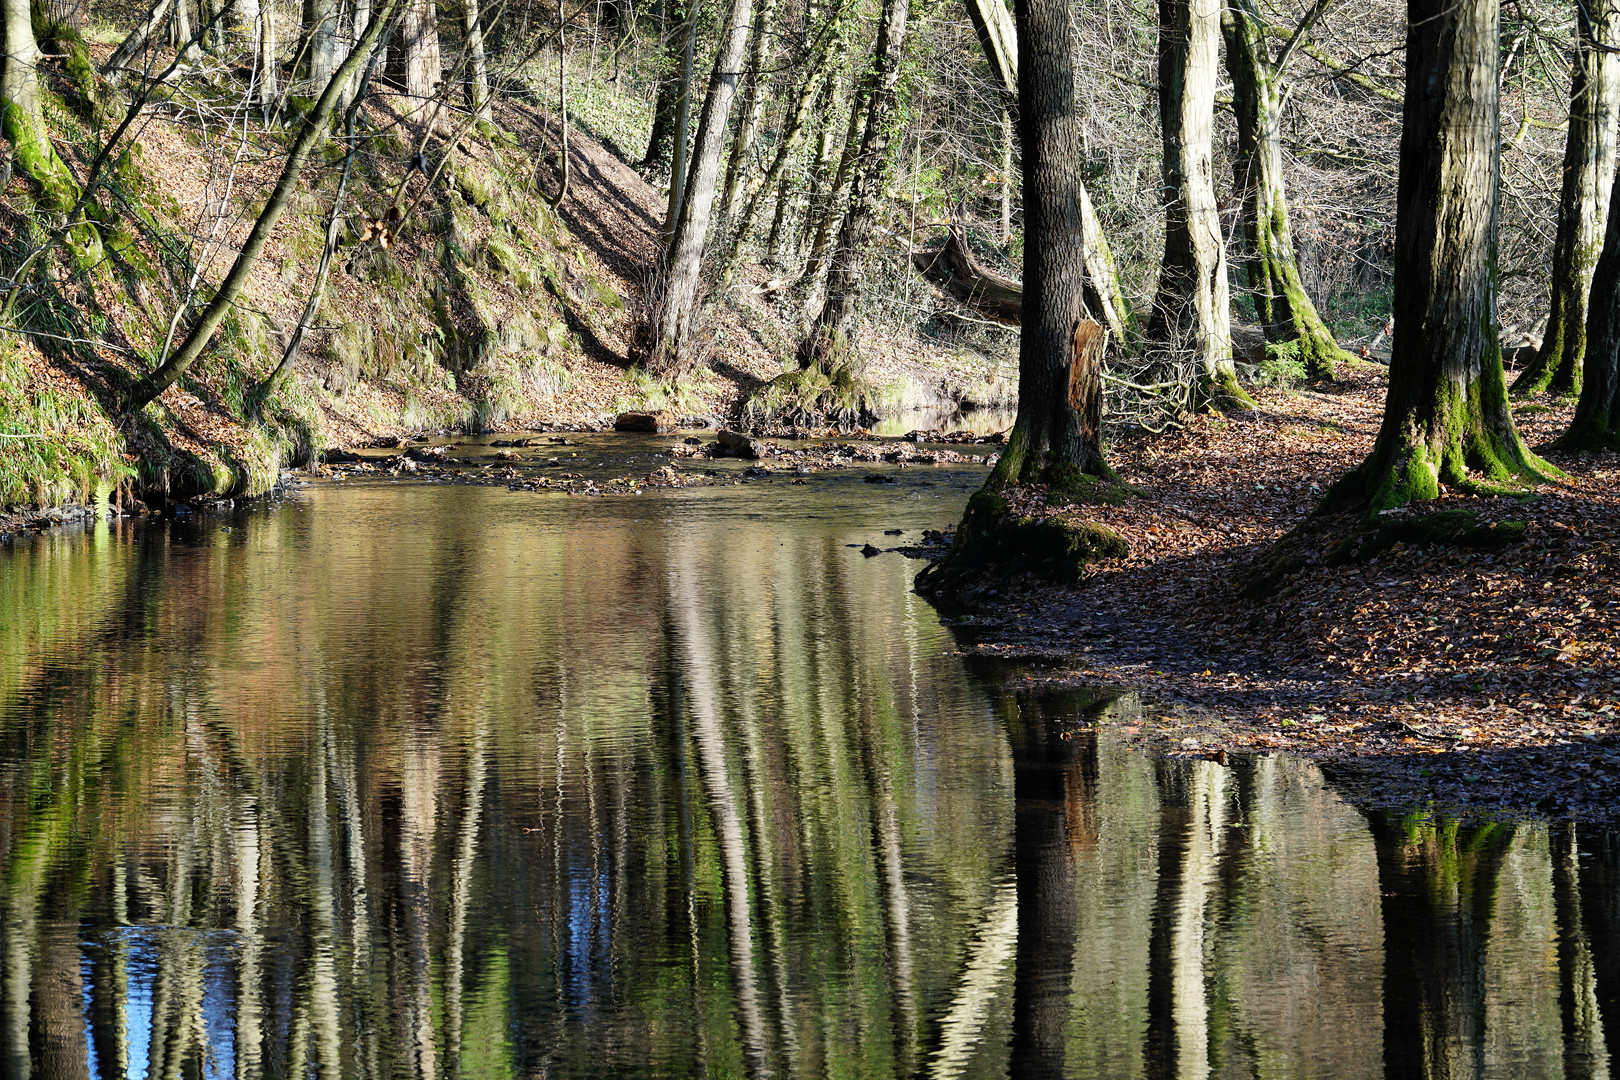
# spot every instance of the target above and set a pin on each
(675, 308)
(1596, 423)
(312, 134)
(1583, 202)
(775, 176)
(830, 345)
(753, 105)
(322, 46)
(420, 67)
(1286, 313)
(1192, 312)
(680, 137)
(66, 13)
(32, 151)
(1105, 297)
(478, 91)
(1059, 350)
(1446, 416)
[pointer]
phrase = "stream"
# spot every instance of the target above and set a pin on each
(392, 778)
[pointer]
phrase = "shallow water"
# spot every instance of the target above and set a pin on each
(412, 780)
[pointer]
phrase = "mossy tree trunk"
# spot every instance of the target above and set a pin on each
(829, 347)
(815, 84)
(1596, 423)
(1583, 201)
(312, 134)
(1446, 416)
(1192, 311)
(32, 152)
(1059, 419)
(1285, 310)
(65, 13)
(676, 305)
(826, 197)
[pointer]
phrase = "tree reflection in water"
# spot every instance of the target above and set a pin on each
(614, 799)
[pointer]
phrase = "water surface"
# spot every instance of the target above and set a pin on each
(397, 779)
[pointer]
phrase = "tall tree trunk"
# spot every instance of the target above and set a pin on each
(830, 345)
(1059, 351)
(1596, 423)
(1446, 415)
(1192, 312)
(1583, 203)
(753, 105)
(675, 309)
(321, 48)
(419, 67)
(775, 177)
(313, 133)
(478, 91)
(1285, 310)
(32, 152)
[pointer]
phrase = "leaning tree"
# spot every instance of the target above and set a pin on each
(1446, 415)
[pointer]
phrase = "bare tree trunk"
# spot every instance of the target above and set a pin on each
(775, 176)
(1059, 419)
(1583, 202)
(1446, 415)
(1192, 312)
(478, 92)
(1285, 310)
(65, 13)
(321, 46)
(825, 199)
(753, 105)
(419, 66)
(829, 347)
(660, 141)
(1596, 423)
(675, 310)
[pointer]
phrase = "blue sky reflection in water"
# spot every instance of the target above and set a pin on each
(410, 780)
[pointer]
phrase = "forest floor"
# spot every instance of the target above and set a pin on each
(1472, 680)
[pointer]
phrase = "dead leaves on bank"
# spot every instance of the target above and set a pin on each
(1467, 677)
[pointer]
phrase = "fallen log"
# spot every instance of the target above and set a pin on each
(958, 271)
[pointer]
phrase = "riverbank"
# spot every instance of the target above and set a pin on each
(487, 310)
(1475, 679)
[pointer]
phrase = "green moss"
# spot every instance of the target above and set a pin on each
(993, 543)
(1068, 486)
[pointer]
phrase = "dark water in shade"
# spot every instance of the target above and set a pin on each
(406, 780)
